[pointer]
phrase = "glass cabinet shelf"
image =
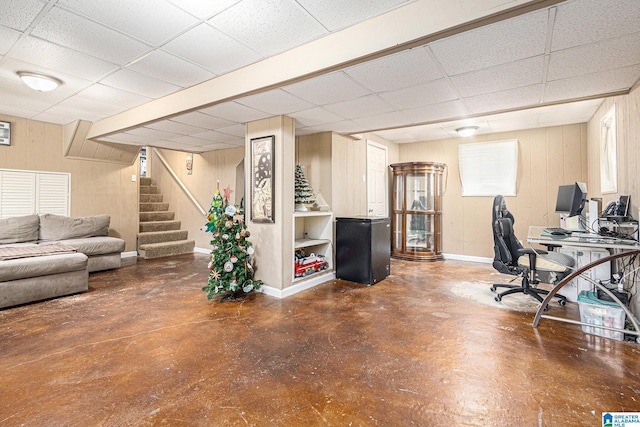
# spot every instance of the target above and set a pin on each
(417, 210)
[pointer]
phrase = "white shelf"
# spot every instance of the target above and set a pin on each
(311, 213)
(305, 243)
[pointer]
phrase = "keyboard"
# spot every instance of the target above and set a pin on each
(558, 231)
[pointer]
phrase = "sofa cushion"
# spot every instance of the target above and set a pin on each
(24, 268)
(95, 245)
(19, 229)
(58, 227)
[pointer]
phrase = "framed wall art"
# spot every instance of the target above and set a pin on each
(262, 179)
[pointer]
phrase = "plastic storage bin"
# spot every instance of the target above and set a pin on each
(598, 312)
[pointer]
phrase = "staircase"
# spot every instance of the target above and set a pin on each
(160, 233)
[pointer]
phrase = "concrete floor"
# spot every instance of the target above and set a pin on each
(427, 346)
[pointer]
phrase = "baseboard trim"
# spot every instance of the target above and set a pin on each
(128, 254)
(298, 287)
(202, 250)
(458, 257)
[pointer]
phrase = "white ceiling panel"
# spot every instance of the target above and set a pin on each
(494, 44)
(432, 92)
(275, 102)
(156, 20)
(8, 38)
(435, 112)
(62, 59)
(525, 72)
(213, 136)
(212, 50)
(237, 131)
(101, 109)
(190, 141)
(314, 116)
(235, 112)
(19, 14)
(23, 103)
(507, 99)
(343, 13)
(268, 26)
(408, 68)
(111, 95)
(381, 121)
(218, 146)
(329, 88)
(140, 84)
(166, 67)
(369, 105)
(78, 113)
(175, 127)
(65, 28)
(153, 133)
(202, 120)
(595, 57)
(204, 9)
(605, 18)
(59, 119)
(591, 84)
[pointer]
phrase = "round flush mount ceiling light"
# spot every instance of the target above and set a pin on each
(39, 82)
(467, 130)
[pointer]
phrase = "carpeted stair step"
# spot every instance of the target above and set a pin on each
(154, 207)
(162, 236)
(149, 189)
(150, 198)
(151, 226)
(157, 216)
(157, 250)
(146, 181)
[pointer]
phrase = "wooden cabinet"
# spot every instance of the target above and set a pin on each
(417, 211)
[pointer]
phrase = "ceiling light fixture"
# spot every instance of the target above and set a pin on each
(467, 131)
(39, 82)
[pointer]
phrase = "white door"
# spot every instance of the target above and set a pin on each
(376, 179)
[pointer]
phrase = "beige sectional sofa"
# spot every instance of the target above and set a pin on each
(46, 256)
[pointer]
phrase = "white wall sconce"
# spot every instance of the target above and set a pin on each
(467, 131)
(39, 82)
(189, 164)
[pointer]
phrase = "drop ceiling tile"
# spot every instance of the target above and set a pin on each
(175, 127)
(337, 14)
(494, 44)
(369, 105)
(189, 141)
(507, 99)
(435, 112)
(314, 116)
(397, 71)
(62, 27)
(8, 38)
(75, 113)
(235, 112)
(344, 126)
(525, 72)
(432, 92)
(140, 84)
(212, 50)
(202, 120)
(238, 131)
(381, 121)
(275, 102)
(63, 59)
(619, 52)
(95, 107)
(153, 133)
(18, 14)
(514, 123)
(53, 118)
(588, 21)
(329, 88)
(166, 67)
(217, 137)
(268, 27)
(151, 21)
(19, 107)
(111, 95)
(128, 138)
(204, 9)
(217, 146)
(592, 84)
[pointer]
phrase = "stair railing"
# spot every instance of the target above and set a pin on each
(179, 182)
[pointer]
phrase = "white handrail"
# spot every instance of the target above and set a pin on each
(180, 183)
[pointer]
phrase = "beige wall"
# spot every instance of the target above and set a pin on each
(548, 157)
(96, 187)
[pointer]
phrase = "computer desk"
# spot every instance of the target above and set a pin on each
(618, 248)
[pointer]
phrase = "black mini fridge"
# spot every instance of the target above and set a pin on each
(363, 249)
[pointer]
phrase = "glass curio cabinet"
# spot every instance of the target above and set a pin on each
(417, 210)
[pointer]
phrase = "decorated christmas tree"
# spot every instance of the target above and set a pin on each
(303, 191)
(230, 262)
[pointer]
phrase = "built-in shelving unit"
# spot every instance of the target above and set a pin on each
(313, 232)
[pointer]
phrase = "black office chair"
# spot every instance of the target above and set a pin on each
(511, 258)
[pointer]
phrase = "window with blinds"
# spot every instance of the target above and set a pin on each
(29, 192)
(489, 168)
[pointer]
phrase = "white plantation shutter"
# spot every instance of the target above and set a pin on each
(489, 168)
(27, 193)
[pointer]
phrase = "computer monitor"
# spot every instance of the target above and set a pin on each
(571, 199)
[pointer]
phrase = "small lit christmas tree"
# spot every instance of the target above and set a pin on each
(230, 262)
(303, 191)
